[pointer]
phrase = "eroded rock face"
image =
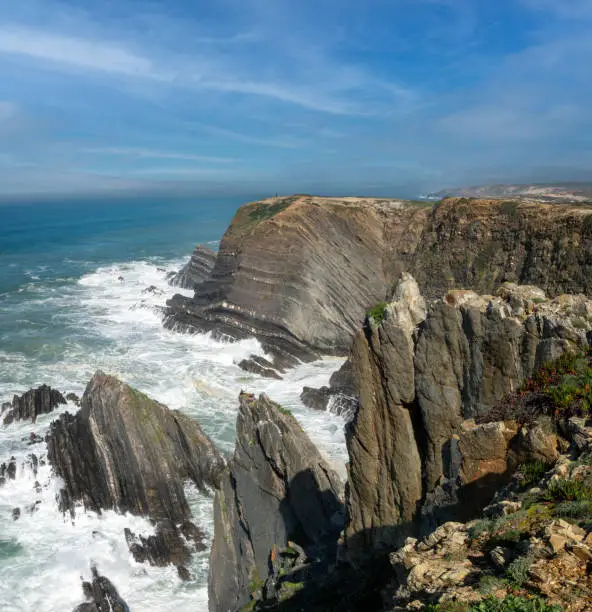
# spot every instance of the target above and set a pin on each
(127, 452)
(196, 270)
(419, 382)
(384, 472)
(31, 404)
(299, 273)
(276, 489)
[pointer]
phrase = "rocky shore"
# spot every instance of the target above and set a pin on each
(467, 394)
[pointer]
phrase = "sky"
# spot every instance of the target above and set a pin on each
(375, 97)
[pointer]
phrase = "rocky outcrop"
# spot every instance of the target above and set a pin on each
(277, 490)
(419, 382)
(521, 546)
(196, 270)
(127, 452)
(299, 273)
(31, 404)
(101, 596)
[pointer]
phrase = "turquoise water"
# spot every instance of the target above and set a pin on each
(73, 299)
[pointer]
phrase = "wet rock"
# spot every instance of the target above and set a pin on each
(72, 397)
(261, 366)
(153, 290)
(102, 596)
(16, 514)
(127, 452)
(317, 399)
(8, 469)
(33, 403)
(165, 546)
(32, 438)
(197, 270)
(276, 489)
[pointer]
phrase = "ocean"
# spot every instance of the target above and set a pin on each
(74, 277)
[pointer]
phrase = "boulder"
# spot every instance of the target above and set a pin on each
(277, 489)
(31, 404)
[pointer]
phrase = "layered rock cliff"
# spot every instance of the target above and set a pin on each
(196, 270)
(414, 458)
(127, 452)
(299, 273)
(278, 501)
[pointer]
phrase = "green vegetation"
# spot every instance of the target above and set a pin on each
(256, 583)
(532, 472)
(377, 313)
(517, 571)
(261, 211)
(510, 603)
(564, 489)
(289, 589)
(490, 584)
(560, 389)
(574, 509)
(509, 208)
(284, 410)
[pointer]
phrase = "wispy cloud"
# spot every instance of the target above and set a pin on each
(70, 51)
(139, 153)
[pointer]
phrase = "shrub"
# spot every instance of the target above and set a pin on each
(532, 472)
(490, 584)
(574, 509)
(517, 571)
(377, 312)
(568, 490)
(480, 527)
(512, 603)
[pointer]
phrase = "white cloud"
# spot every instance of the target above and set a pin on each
(90, 55)
(155, 154)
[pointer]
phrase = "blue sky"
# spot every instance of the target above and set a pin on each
(325, 96)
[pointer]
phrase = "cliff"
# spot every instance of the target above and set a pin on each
(299, 273)
(127, 452)
(278, 505)
(416, 458)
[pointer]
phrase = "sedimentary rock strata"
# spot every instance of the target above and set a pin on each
(277, 489)
(196, 270)
(299, 273)
(127, 452)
